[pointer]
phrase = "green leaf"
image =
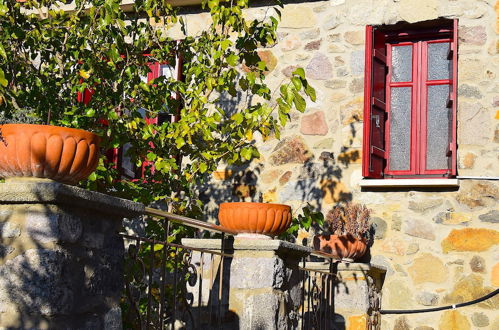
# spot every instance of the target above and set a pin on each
(299, 102)
(299, 72)
(237, 117)
(179, 142)
(246, 153)
(203, 167)
(90, 113)
(2, 52)
(92, 177)
(151, 156)
(232, 59)
(310, 91)
(3, 9)
(3, 81)
(297, 83)
(225, 44)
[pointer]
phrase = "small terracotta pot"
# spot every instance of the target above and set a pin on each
(258, 218)
(347, 248)
(62, 154)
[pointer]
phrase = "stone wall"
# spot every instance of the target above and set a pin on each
(441, 246)
(61, 258)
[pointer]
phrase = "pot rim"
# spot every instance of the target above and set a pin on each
(253, 204)
(44, 127)
(348, 236)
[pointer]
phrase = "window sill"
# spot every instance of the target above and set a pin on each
(409, 183)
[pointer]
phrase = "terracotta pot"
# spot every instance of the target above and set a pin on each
(63, 154)
(258, 218)
(347, 248)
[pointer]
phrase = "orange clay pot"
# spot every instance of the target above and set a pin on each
(62, 154)
(257, 218)
(347, 247)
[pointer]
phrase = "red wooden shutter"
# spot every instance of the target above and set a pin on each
(453, 101)
(374, 104)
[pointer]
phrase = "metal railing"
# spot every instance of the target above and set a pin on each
(160, 275)
(169, 285)
(317, 307)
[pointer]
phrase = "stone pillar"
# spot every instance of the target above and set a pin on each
(357, 294)
(264, 282)
(61, 258)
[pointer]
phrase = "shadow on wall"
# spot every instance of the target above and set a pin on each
(314, 178)
(57, 271)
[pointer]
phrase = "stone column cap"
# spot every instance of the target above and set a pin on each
(348, 267)
(252, 244)
(32, 192)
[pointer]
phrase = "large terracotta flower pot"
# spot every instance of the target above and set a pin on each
(257, 218)
(63, 154)
(347, 248)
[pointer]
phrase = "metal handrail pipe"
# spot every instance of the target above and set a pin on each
(321, 254)
(187, 221)
(180, 246)
(317, 271)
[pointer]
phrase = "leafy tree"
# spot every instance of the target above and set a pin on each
(48, 55)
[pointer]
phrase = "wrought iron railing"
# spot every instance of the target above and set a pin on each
(318, 283)
(169, 285)
(160, 275)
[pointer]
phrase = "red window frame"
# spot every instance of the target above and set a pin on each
(115, 155)
(378, 77)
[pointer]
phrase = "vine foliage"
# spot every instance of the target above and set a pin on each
(48, 55)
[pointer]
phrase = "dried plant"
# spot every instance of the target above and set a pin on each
(350, 219)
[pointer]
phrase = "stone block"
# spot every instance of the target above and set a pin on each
(469, 91)
(491, 216)
(469, 288)
(480, 320)
(314, 124)
(416, 11)
(470, 239)
(454, 320)
(43, 228)
(290, 150)
(357, 62)
(472, 115)
(299, 190)
(319, 67)
(313, 45)
(354, 37)
(477, 264)
(297, 17)
(473, 35)
(428, 269)
(422, 205)
(477, 194)
(256, 273)
(289, 43)
(310, 34)
(9, 230)
(427, 298)
(419, 228)
(495, 275)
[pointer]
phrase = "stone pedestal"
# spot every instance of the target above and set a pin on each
(264, 281)
(357, 294)
(61, 258)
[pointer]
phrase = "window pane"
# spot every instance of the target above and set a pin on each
(439, 67)
(402, 63)
(439, 118)
(400, 129)
(166, 70)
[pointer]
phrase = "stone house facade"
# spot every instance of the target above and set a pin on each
(438, 237)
